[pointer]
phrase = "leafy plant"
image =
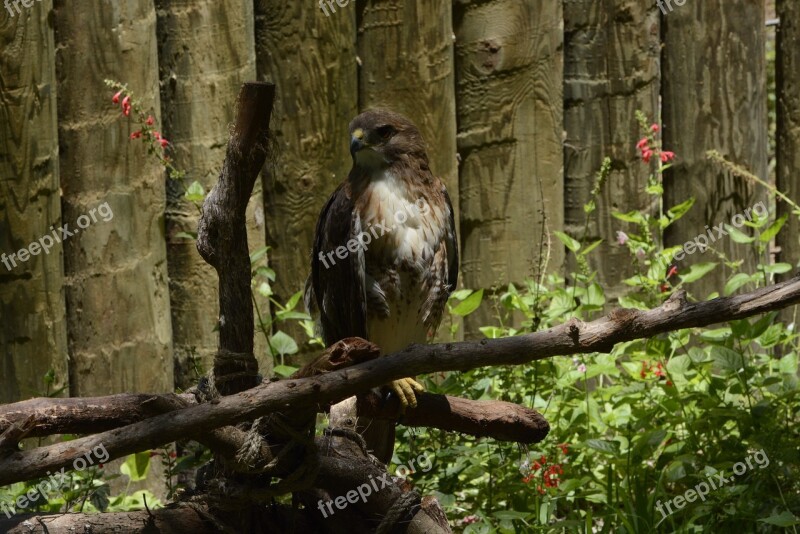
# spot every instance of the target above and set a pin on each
(641, 425)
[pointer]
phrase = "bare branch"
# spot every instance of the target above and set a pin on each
(289, 395)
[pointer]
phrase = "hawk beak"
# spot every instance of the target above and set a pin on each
(357, 141)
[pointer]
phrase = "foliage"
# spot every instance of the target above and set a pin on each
(635, 428)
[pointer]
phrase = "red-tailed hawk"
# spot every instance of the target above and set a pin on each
(385, 253)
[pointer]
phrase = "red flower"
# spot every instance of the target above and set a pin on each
(136, 135)
(536, 466)
(563, 447)
(643, 143)
(659, 372)
(655, 127)
(101, 466)
(646, 155)
(543, 459)
(157, 135)
(667, 156)
(643, 372)
(540, 489)
(115, 98)
(163, 142)
(551, 479)
(150, 120)
(672, 271)
(669, 382)
(173, 454)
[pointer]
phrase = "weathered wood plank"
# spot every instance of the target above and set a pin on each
(33, 334)
(311, 58)
(116, 275)
(611, 69)
(509, 66)
(406, 53)
(206, 51)
(714, 94)
(788, 132)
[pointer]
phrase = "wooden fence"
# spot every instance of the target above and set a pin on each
(519, 100)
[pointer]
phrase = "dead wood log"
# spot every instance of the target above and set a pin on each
(286, 396)
(222, 237)
(502, 421)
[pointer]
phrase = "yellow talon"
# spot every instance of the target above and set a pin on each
(405, 388)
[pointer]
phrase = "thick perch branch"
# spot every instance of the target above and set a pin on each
(499, 420)
(502, 421)
(289, 395)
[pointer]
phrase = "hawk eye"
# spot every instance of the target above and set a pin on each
(386, 131)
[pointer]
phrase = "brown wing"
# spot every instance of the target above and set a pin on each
(336, 286)
(451, 240)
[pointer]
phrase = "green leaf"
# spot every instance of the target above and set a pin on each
(631, 217)
(591, 247)
(195, 192)
(284, 371)
(675, 470)
(491, 332)
(676, 212)
(294, 300)
(469, 304)
(292, 316)
(266, 272)
(783, 519)
(258, 254)
(595, 296)
(510, 514)
(570, 243)
(767, 235)
(461, 294)
(282, 343)
(778, 268)
(608, 447)
(698, 271)
(738, 236)
(136, 466)
(736, 282)
(788, 364)
(726, 358)
(99, 498)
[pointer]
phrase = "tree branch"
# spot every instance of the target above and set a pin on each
(289, 395)
(222, 237)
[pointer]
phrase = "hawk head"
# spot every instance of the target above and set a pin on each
(380, 138)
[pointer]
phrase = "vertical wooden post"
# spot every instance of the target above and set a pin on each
(788, 135)
(509, 66)
(116, 274)
(33, 334)
(714, 97)
(406, 52)
(311, 58)
(611, 69)
(198, 76)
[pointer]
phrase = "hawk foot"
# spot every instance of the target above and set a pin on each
(404, 389)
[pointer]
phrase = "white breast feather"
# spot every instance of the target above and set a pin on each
(414, 238)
